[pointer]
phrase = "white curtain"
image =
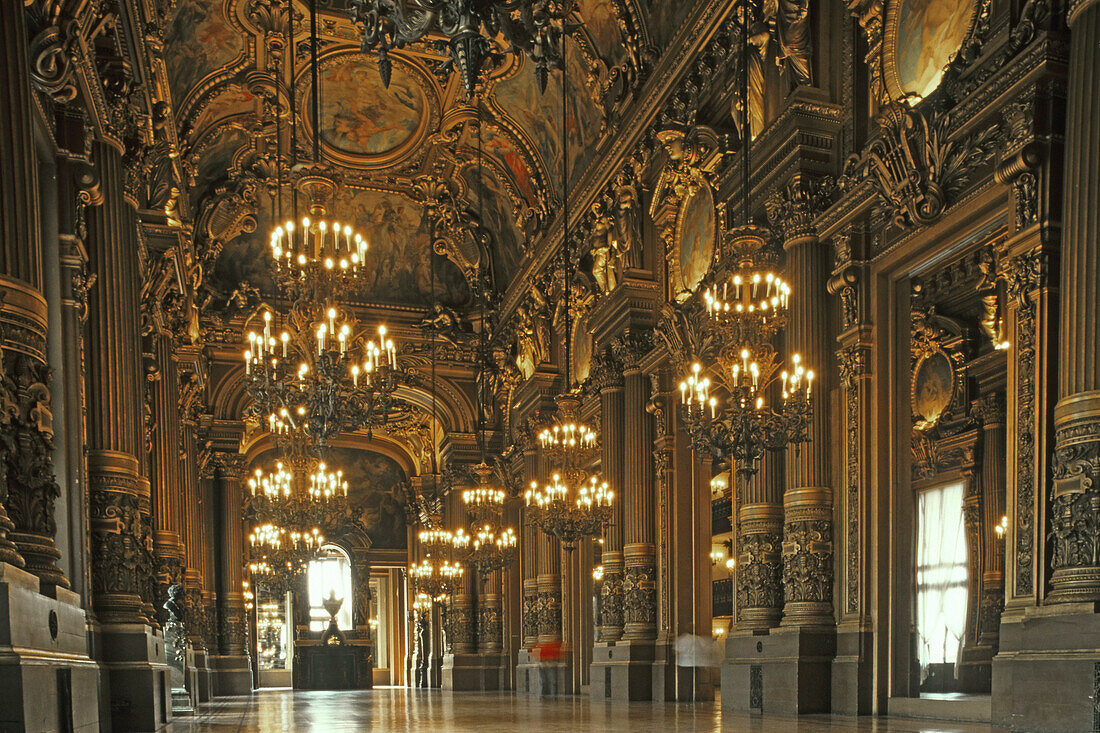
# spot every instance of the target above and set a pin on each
(941, 575)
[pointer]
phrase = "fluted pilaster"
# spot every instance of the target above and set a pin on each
(231, 615)
(120, 493)
(1075, 559)
(165, 471)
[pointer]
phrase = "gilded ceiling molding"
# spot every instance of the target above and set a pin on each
(695, 34)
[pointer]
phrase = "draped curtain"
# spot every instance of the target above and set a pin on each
(941, 575)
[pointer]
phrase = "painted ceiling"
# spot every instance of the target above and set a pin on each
(242, 99)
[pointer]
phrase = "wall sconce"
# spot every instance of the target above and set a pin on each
(1002, 528)
(597, 573)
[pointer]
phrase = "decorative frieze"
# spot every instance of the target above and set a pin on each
(807, 557)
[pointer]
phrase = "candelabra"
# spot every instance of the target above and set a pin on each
(764, 407)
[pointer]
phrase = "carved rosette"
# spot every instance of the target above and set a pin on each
(640, 592)
(808, 557)
(759, 563)
(1075, 500)
(611, 597)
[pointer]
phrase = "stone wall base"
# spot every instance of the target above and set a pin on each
(788, 670)
(47, 680)
(622, 670)
(1046, 675)
(852, 673)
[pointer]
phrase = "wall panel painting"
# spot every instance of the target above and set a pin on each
(698, 226)
(201, 40)
(376, 498)
(922, 36)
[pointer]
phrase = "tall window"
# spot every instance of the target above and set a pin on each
(941, 575)
(330, 573)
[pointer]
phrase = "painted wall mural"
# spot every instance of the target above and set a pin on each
(201, 40)
(231, 100)
(497, 216)
(539, 114)
(361, 116)
(698, 227)
(375, 495)
(664, 19)
(603, 27)
(927, 34)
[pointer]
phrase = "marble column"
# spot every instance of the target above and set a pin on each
(549, 588)
(120, 492)
(490, 629)
(808, 500)
(609, 380)
(165, 472)
(637, 496)
(1075, 533)
(29, 488)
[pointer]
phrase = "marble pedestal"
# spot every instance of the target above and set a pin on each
(136, 674)
(47, 680)
(673, 683)
(474, 671)
(232, 675)
(204, 687)
(622, 670)
(852, 681)
(788, 670)
(1046, 675)
(535, 677)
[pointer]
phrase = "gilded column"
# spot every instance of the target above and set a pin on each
(1075, 533)
(808, 499)
(637, 494)
(608, 378)
(165, 472)
(490, 629)
(529, 539)
(759, 546)
(994, 462)
(230, 570)
(120, 494)
(29, 488)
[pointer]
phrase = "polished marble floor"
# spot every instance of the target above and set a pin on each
(413, 711)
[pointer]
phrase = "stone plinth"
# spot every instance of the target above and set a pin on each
(788, 670)
(465, 672)
(622, 671)
(47, 680)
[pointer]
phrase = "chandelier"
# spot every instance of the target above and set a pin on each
(553, 509)
(491, 547)
(322, 374)
(436, 579)
(753, 404)
(533, 27)
(277, 551)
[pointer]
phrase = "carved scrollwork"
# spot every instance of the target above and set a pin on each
(915, 164)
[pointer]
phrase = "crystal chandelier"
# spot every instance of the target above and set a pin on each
(753, 404)
(436, 579)
(533, 27)
(492, 549)
(284, 553)
(553, 509)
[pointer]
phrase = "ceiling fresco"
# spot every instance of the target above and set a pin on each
(234, 82)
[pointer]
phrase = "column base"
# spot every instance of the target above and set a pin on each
(852, 680)
(47, 679)
(545, 679)
(787, 670)
(137, 675)
(1046, 675)
(622, 670)
(465, 672)
(232, 675)
(673, 683)
(203, 691)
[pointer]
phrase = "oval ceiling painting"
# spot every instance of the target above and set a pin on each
(360, 116)
(922, 38)
(697, 229)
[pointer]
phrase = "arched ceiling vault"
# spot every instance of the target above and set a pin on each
(239, 83)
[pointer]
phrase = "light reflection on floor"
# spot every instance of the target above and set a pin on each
(400, 709)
